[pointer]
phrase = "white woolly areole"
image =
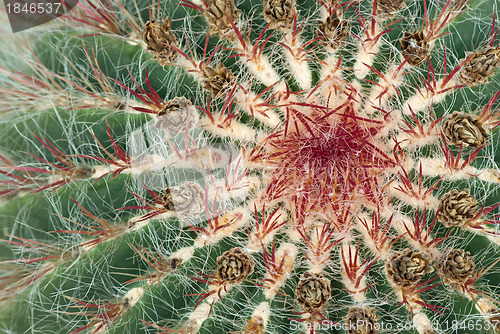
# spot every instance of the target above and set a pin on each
(249, 102)
(403, 224)
(263, 70)
(238, 218)
(421, 323)
(365, 57)
(203, 158)
(256, 241)
(356, 293)
(196, 318)
(495, 238)
(129, 300)
(288, 252)
(185, 254)
(317, 262)
(489, 175)
(134, 295)
(263, 310)
(387, 88)
(429, 202)
(298, 68)
(100, 171)
(368, 240)
(152, 162)
(420, 101)
(437, 167)
(235, 130)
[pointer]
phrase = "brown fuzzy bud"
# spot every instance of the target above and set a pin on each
(175, 116)
(219, 14)
(480, 66)
(187, 200)
(254, 326)
(361, 321)
(333, 31)
(388, 8)
(313, 291)
(457, 208)
(234, 266)
(463, 129)
(159, 39)
(218, 80)
(280, 13)
(415, 47)
(456, 267)
(408, 267)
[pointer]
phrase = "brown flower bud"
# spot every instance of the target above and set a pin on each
(219, 14)
(361, 321)
(463, 129)
(254, 326)
(175, 116)
(456, 267)
(408, 267)
(415, 47)
(218, 80)
(280, 13)
(388, 8)
(187, 200)
(159, 39)
(234, 266)
(456, 208)
(313, 291)
(481, 65)
(333, 31)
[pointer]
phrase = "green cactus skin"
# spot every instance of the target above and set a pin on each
(212, 166)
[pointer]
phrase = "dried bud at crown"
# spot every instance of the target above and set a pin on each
(388, 8)
(361, 321)
(187, 200)
(415, 47)
(254, 326)
(480, 66)
(280, 13)
(457, 208)
(408, 267)
(313, 291)
(456, 267)
(159, 39)
(333, 31)
(463, 129)
(234, 266)
(175, 116)
(219, 14)
(218, 80)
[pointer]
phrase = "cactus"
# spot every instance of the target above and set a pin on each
(221, 166)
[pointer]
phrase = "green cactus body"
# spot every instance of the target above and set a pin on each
(213, 166)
